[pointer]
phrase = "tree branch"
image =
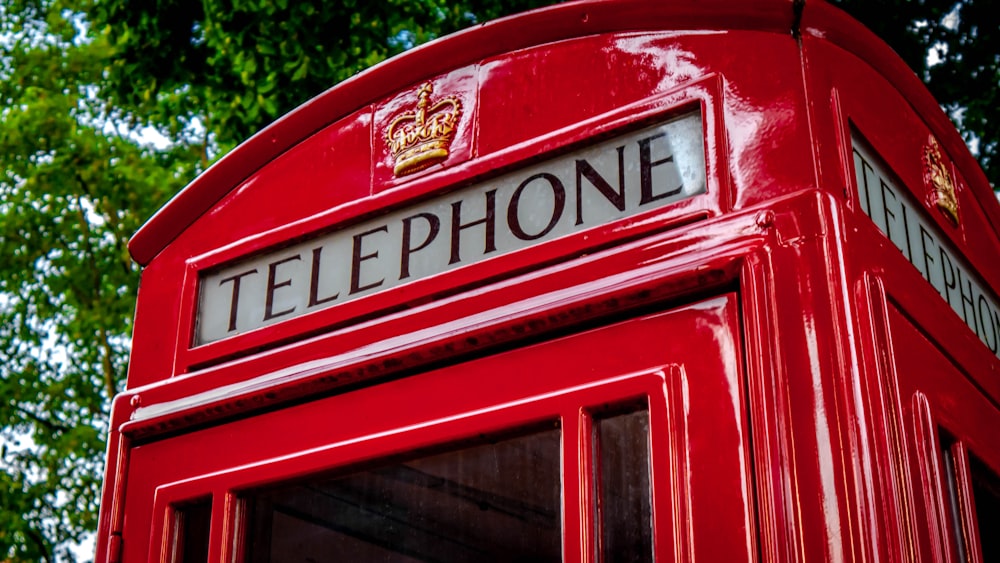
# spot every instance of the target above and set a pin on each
(105, 343)
(48, 424)
(38, 540)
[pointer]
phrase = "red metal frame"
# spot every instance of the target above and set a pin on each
(843, 367)
(703, 95)
(482, 396)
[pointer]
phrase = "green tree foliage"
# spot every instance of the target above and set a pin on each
(73, 188)
(78, 79)
(239, 64)
(964, 71)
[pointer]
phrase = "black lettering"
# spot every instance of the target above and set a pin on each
(585, 170)
(985, 320)
(995, 317)
(490, 225)
(273, 284)
(865, 167)
(646, 164)
(357, 258)
(948, 275)
(886, 213)
(906, 234)
(559, 197)
(234, 304)
(967, 299)
(404, 260)
(925, 237)
(314, 298)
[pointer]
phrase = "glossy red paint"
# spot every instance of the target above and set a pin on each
(477, 396)
(803, 379)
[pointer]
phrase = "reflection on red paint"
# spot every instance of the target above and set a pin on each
(587, 364)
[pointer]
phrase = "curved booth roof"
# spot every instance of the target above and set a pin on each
(796, 19)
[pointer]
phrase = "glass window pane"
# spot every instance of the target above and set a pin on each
(986, 492)
(191, 529)
(622, 463)
(492, 500)
(951, 487)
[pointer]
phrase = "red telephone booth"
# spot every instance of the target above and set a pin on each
(607, 281)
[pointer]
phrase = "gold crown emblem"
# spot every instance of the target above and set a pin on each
(941, 186)
(420, 139)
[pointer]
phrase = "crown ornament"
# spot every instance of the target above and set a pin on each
(420, 139)
(941, 187)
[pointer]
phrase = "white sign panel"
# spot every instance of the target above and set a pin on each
(611, 180)
(920, 240)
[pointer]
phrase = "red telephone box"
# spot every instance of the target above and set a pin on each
(607, 281)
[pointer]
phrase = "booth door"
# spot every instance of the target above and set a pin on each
(624, 442)
(954, 446)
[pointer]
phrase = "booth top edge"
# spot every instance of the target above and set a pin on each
(512, 33)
